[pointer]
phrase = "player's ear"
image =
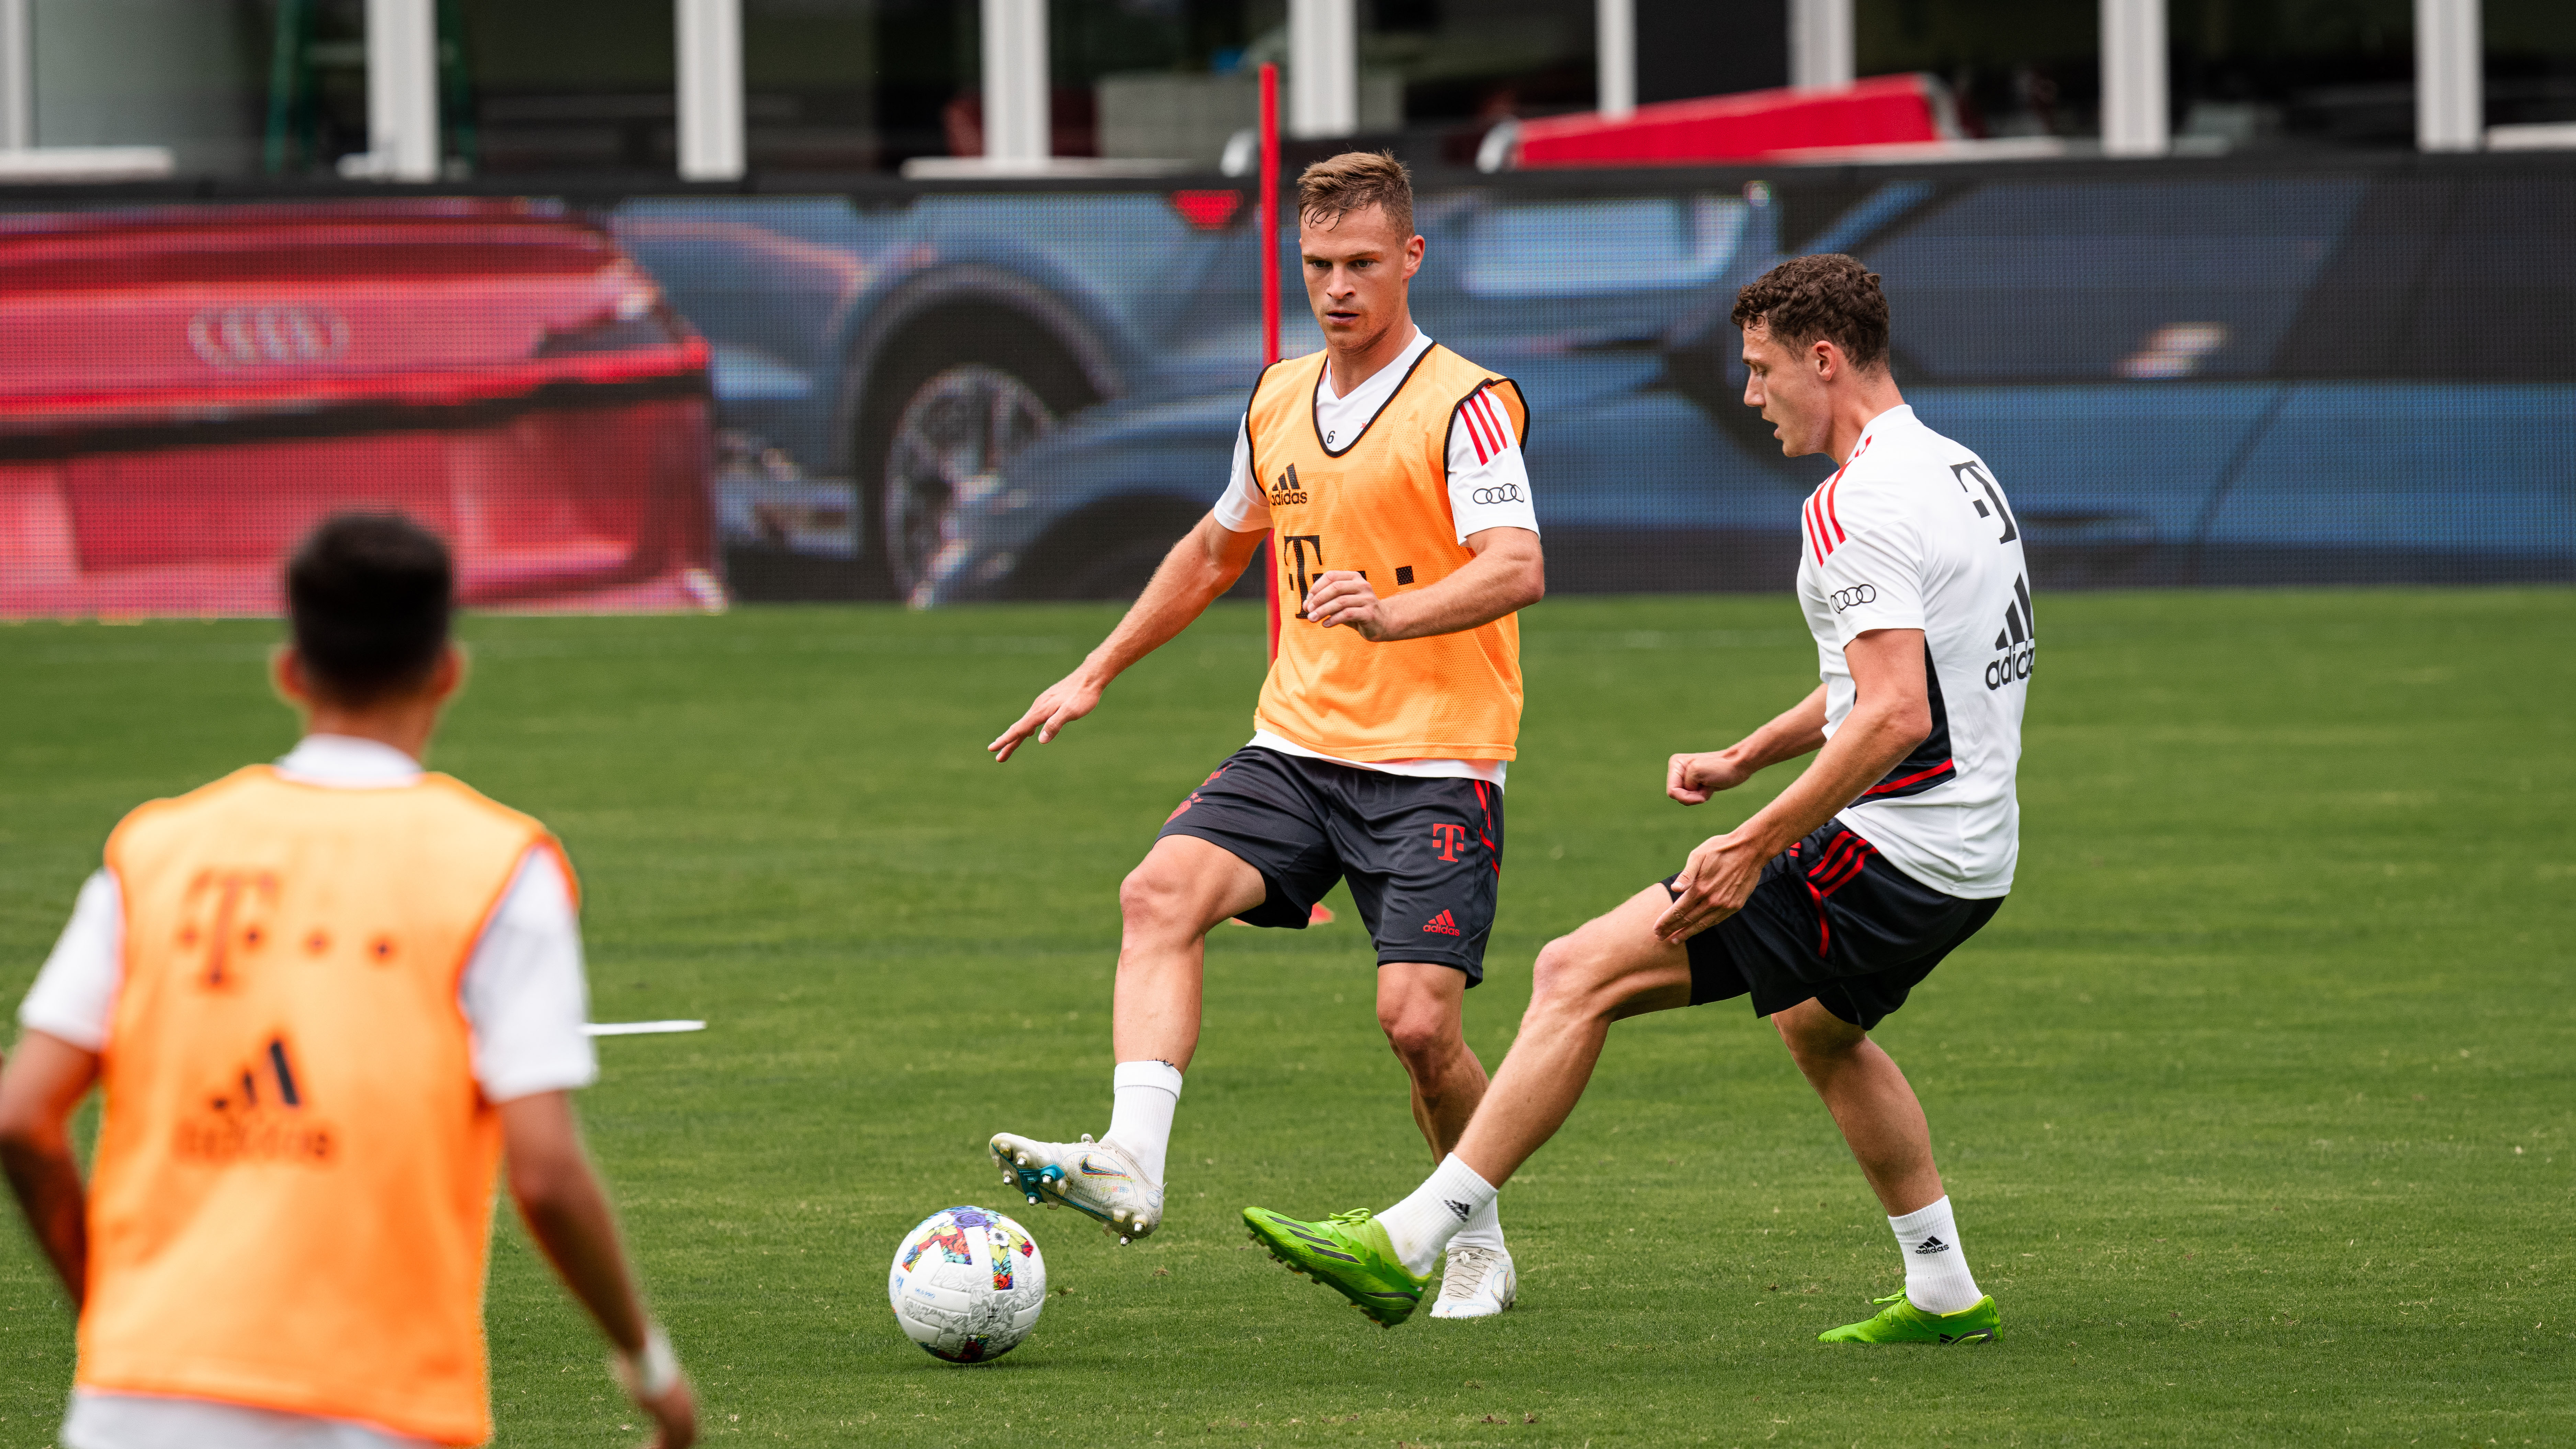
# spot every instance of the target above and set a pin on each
(286, 676)
(447, 676)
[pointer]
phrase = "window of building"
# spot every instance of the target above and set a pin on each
(2531, 62)
(2013, 68)
(190, 75)
(562, 86)
(2270, 73)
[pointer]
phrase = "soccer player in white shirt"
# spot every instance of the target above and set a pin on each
(1833, 901)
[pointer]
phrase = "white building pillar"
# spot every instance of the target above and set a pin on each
(1821, 42)
(710, 98)
(1614, 24)
(2137, 109)
(2450, 90)
(1016, 112)
(1323, 67)
(17, 75)
(402, 89)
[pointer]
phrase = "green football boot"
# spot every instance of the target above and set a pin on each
(1901, 1322)
(1349, 1253)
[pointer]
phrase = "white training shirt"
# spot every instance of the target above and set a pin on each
(523, 995)
(1914, 533)
(1489, 487)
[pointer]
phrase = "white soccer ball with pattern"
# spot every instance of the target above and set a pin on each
(967, 1285)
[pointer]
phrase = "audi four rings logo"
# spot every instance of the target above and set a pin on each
(267, 336)
(1855, 595)
(1508, 493)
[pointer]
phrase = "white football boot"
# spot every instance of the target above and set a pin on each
(1479, 1282)
(1096, 1179)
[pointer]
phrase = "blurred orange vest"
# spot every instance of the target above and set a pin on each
(1379, 507)
(295, 1168)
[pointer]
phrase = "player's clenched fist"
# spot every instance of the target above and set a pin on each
(1691, 779)
(1066, 700)
(1714, 885)
(1339, 596)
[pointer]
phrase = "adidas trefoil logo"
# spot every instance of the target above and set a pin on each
(1931, 1246)
(1443, 923)
(1455, 1206)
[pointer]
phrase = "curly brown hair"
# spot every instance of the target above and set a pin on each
(1354, 181)
(1827, 297)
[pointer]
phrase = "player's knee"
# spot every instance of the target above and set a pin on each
(1149, 899)
(1817, 1037)
(1572, 975)
(1418, 1030)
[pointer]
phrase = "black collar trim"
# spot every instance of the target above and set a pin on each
(1315, 422)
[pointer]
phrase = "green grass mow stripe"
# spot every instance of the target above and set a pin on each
(2254, 1100)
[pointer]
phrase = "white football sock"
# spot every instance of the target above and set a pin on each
(1484, 1230)
(1143, 1096)
(1936, 1270)
(1422, 1225)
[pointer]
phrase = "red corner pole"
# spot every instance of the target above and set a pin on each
(1268, 220)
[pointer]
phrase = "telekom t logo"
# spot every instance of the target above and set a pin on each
(226, 912)
(1449, 839)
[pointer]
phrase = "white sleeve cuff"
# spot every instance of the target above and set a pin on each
(1241, 508)
(524, 994)
(74, 998)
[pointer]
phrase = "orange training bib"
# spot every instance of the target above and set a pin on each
(295, 1168)
(1379, 507)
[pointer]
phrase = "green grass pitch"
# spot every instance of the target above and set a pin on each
(2251, 1100)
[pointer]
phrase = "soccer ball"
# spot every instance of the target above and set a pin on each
(967, 1284)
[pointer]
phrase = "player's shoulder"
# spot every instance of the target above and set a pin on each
(1897, 457)
(1457, 378)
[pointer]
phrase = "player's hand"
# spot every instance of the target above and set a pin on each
(1691, 779)
(1341, 597)
(1066, 700)
(1715, 884)
(675, 1417)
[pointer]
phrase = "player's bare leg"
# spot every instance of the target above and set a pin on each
(1420, 1007)
(1610, 968)
(1184, 887)
(1871, 1101)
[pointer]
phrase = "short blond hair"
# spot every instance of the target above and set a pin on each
(1355, 181)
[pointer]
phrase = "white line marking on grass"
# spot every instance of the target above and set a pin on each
(641, 1028)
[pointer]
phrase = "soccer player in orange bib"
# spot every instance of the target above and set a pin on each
(325, 1000)
(1386, 472)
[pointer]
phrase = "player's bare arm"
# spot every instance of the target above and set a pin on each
(567, 1212)
(45, 1080)
(1204, 564)
(1797, 730)
(1508, 573)
(1891, 714)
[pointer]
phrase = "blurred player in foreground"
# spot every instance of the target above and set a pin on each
(1834, 900)
(324, 999)
(1386, 472)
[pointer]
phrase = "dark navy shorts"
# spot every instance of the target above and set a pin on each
(1831, 921)
(1424, 857)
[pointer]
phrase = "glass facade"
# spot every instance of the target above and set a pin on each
(540, 88)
